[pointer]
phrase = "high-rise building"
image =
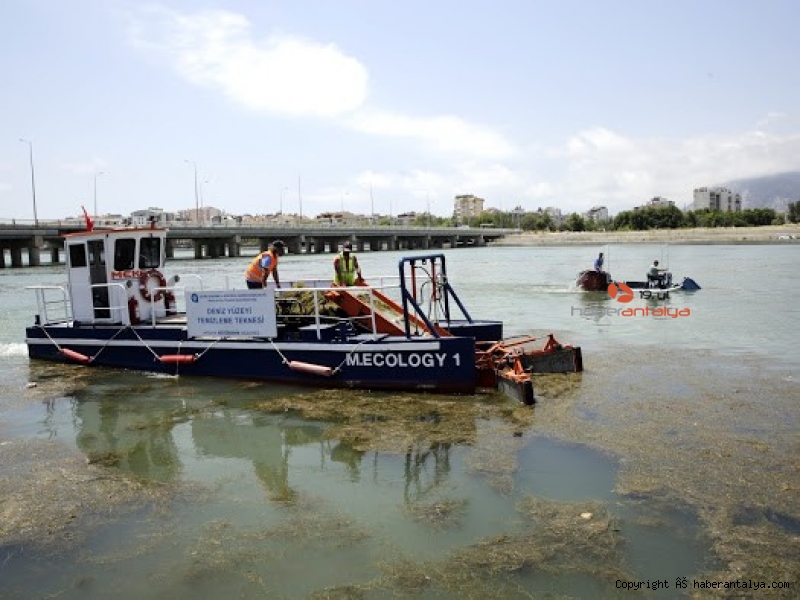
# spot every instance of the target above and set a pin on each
(467, 206)
(717, 198)
(598, 214)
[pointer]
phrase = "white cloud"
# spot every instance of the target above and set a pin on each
(597, 139)
(600, 166)
(593, 167)
(447, 134)
(284, 74)
(279, 74)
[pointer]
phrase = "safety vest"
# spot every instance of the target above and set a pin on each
(254, 271)
(346, 273)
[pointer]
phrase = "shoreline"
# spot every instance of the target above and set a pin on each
(770, 234)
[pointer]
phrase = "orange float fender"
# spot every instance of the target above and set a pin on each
(177, 358)
(77, 356)
(305, 367)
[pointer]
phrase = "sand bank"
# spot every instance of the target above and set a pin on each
(777, 234)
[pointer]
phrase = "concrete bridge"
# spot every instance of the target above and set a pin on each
(215, 241)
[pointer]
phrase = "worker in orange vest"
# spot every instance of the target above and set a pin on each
(262, 265)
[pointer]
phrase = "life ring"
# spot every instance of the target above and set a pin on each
(144, 279)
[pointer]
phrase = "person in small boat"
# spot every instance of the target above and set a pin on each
(656, 274)
(262, 265)
(346, 268)
(598, 263)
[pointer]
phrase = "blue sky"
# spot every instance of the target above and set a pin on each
(396, 106)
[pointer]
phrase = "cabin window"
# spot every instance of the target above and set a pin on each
(124, 254)
(77, 255)
(150, 253)
(97, 254)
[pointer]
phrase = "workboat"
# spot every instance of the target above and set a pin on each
(412, 332)
(598, 281)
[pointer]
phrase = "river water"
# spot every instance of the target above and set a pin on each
(670, 462)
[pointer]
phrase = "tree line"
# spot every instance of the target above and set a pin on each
(669, 217)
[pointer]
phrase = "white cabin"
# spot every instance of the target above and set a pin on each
(115, 275)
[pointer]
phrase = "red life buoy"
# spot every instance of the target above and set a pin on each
(144, 279)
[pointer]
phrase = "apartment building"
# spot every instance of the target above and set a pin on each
(717, 198)
(467, 206)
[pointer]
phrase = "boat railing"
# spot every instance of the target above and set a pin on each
(118, 311)
(177, 291)
(46, 304)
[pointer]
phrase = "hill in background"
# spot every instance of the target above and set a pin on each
(771, 191)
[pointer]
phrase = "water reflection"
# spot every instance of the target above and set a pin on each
(592, 306)
(421, 477)
(366, 468)
(266, 442)
(140, 438)
(119, 434)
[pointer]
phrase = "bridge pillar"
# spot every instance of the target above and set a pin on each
(213, 249)
(2, 258)
(34, 254)
(16, 256)
(198, 249)
(54, 255)
(169, 249)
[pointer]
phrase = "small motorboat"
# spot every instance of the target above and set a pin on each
(598, 281)
(593, 281)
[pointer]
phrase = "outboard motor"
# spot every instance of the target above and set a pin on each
(667, 280)
(689, 284)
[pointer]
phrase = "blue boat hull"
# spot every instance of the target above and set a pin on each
(365, 362)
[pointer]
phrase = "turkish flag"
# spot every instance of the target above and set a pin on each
(89, 222)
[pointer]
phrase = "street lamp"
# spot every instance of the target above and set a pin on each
(300, 198)
(96, 175)
(283, 189)
(196, 192)
(33, 180)
(428, 200)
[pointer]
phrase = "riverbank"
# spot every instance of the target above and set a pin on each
(776, 234)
